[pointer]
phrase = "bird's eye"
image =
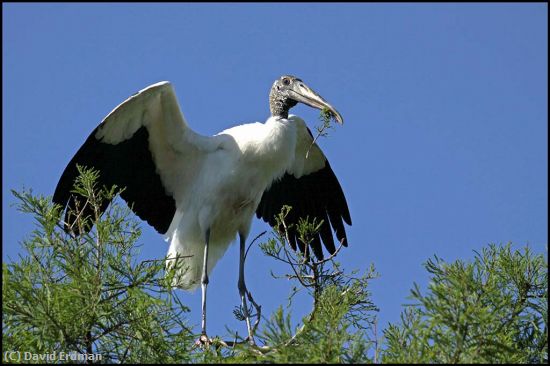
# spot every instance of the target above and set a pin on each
(286, 81)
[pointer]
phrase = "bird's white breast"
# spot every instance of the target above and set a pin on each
(227, 190)
(261, 154)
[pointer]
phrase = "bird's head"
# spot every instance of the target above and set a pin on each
(288, 90)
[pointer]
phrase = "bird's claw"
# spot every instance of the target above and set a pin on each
(250, 340)
(203, 341)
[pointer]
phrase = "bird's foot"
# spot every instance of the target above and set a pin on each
(250, 340)
(203, 341)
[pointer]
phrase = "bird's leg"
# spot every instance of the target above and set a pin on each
(243, 292)
(204, 284)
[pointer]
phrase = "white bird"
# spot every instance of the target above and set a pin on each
(200, 191)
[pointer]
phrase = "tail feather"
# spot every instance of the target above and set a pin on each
(185, 261)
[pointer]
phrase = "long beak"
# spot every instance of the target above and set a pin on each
(302, 93)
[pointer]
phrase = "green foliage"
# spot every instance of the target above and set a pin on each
(328, 335)
(325, 118)
(339, 328)
(87, 294)
(493, 310)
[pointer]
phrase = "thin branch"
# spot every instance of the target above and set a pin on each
(332, 255)
(250, 245)
(326, 115)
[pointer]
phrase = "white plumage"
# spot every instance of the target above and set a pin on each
(202, 191)
(247, 159)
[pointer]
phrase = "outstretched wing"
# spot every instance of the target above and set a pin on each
(144, 146)
(310, 187)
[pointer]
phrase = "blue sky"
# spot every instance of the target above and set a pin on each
(443, 150)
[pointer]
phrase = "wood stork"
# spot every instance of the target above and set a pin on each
(201, 191)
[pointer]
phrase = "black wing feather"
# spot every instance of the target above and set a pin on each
(317, 195)
(129, 165)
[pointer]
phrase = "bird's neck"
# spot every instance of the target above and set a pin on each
(280, 105)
